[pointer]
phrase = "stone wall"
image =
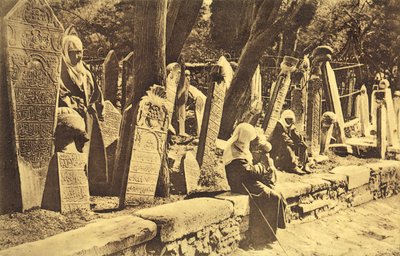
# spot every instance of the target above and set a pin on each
(216, 226)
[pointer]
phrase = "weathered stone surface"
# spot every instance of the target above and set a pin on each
(184, 217)
(356, 175)
(241, 203)
(110, 72)
(335, 179)
(149, 136)
(103, 237)
(172, 81)
(293, 189)
(126, 83)
(313, 206)
(191, 169)
(316, 183)
(31, 37)
(110, 130)
(384, 166)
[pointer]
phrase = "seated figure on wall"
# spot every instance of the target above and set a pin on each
(289, 150)
(245, 176)
(70, 135)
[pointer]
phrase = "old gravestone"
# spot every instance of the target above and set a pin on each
(149, 136)
(110, 77)
(212, 116)
(110, 130)
(172, 81)
(32, 39)
(191, 170)
(278, 96)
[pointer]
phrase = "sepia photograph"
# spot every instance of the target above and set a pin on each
(199, 127)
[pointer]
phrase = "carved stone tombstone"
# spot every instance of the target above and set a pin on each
(352, 84)
(74, 188)
(191, 170)
(110, 77)
(32, 42)
(149, 137)
(381, 134)
(314, 105)
(212, 117)
(172, 81)
(278, 96)
(362, 111)
(126, 86)
(110, 130)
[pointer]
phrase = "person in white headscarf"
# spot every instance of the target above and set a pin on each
(288, 146)
(245, 176)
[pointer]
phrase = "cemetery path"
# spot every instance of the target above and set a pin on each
(369, 229)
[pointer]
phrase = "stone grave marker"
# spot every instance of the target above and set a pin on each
(149, 137)
(110, 77)
(33, 38)
(126, 86)
(191, 170)
(381, 130)
(172, 81)
(110, 130)
(328, 120)
(391, 120)
(212, 117)
(74, 188)
(278, 96)
(362, 111)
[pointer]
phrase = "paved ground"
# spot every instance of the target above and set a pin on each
(369, 229)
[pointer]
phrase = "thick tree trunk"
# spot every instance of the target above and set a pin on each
(148, 68)
(182, 15)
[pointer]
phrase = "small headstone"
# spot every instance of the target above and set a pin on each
(110, 77)
(110, 131)
(32, 40)
(278, 96)
(149, 137)
(74, 189)
(126, 86)
(191, 170)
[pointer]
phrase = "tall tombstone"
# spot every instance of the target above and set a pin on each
(362, 111)
(314, 105)
(351, 86)
(279, 93)
(110, 77)
(331, 90)
(191, 170)
(212, 116)
(126, 81)
(392, 132)
(30, 68)
(172, 81)
(381, 134)
(110, 130)
(299, 97)
(149, 137)
(328, 120)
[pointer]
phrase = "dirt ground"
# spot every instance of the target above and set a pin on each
(370, 229)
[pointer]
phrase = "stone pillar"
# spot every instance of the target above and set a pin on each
(126, 80)
(30, 58)
(314, 105)
(363, 109)
(172, 81)
(352, 83)
(278, 97)
(110, 77)
(381, 130)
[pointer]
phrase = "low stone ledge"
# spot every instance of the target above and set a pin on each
(316, 183)
(336, 180)
(293, 189)
(356, 175)
(241, 203)
(104, 237)
(184, 217)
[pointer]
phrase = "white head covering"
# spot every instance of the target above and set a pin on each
(238, 146)
(78, 73)
(287, 114)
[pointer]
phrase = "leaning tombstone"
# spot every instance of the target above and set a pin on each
(110, 131)
(149, 137)
(191, 171)
(32, 40)
(273, 112)
(110, 77)
(328, 120)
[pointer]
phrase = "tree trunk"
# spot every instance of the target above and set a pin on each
(182, 15)
(148, 68)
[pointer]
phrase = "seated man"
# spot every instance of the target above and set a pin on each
(288, 148)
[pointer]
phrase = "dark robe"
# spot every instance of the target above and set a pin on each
(241, 174)
(286, 145)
